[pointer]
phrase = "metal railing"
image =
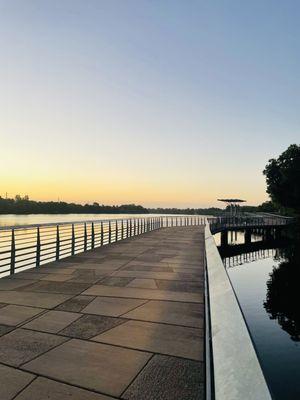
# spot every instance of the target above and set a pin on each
(222, 223)
(23, 247)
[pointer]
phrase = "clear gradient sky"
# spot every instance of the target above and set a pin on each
(157, 102)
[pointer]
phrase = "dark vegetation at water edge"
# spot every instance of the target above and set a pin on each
(186, 211)
(22, 205)
(283, 181)
(282, 299)
(199, 211)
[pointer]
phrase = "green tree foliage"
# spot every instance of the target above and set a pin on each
(283, 179)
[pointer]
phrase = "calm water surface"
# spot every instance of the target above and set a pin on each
(267, 285)
(31, 219)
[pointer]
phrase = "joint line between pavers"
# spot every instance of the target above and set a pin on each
(131, 382)
(25, 387)
(70, 384)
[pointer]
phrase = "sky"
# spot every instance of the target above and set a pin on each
(154, 102)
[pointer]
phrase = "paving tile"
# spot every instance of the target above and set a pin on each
(85, 276)
(143, 283)
(95, 366)
(14, 315)
(20, 345)
(5, 329)
(168, 378)
(90, 325)
(157, 338)
(52, 321)
(12, 381)
(57, 287)
(170, 312)
(51, 269)
(177, 286)
(137, 293)
(12, 284)
(35, 276)
(43, 300)
(76, 304)
(55, 277)
(150, 258)
(115, 281)
(111, 306)
(145, 267)
(149, 274)
(43, 388)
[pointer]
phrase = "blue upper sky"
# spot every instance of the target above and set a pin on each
(159, 102)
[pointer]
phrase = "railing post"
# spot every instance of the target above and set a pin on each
(130, 227)
(117, 231)
(122, 230)
(93, 236)
(102, 234)
(134, 227)
(109, 232)
(85, 238)
(57, 242)
(73, 240)
(38, 247)
(12, 253)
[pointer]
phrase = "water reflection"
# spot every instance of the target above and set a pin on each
(283, 296)
(265, 277)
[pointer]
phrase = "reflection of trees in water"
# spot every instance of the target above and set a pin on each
(283, 294)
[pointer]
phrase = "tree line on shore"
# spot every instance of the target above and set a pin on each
(23, 205)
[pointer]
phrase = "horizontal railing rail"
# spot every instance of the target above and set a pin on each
(26, 246)
(221, 223)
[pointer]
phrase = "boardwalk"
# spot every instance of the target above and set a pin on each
(124, 321)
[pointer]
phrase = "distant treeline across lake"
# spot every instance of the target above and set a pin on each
(23, 205)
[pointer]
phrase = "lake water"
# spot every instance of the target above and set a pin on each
(31, 219)
(266, 283)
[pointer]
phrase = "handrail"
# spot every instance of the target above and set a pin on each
(220, 223)
(44, 243)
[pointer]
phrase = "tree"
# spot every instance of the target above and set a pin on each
(267, 207)
(283, 179)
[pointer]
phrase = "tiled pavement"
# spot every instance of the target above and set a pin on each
(121, 322)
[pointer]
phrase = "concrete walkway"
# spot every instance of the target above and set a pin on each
(124, 321)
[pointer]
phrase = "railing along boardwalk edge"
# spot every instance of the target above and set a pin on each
(27, 246)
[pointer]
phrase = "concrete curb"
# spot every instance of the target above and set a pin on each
(237, 372)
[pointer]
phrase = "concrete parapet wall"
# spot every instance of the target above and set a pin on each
(237, 372)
